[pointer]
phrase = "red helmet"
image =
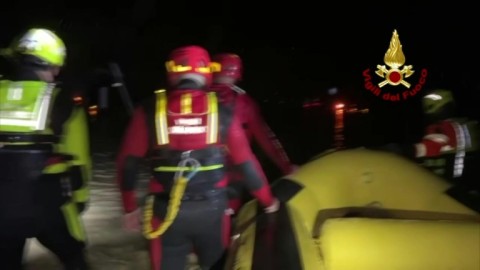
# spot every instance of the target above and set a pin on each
(230, 65)
(189, 62)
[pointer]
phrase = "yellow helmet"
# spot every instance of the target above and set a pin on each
(436, 100)
(43, 44)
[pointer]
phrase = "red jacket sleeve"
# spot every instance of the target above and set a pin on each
(264, 136)
(438, 137)
(134, 147)
(244, 161)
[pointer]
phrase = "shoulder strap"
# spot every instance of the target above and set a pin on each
(161, 126)
(212, 124)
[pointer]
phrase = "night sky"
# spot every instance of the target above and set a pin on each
(317, 42)
(291, 51)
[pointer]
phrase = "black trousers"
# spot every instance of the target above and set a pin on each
(200, 226)
(53, 233)
(49, 218)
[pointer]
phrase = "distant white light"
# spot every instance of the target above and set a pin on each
(117, 84)
(332, 91)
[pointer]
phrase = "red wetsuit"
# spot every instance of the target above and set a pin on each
(254, 124)
(255, 127)
(201, 222)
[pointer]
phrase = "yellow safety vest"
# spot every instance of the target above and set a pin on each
(25, 106)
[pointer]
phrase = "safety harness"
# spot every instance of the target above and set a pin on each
(188, 165)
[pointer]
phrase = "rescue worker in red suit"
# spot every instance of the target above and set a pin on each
(185, 133)
(246, 109)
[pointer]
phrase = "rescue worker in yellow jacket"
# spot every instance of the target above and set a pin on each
(45, 161)
(449, 146)
(446, 135)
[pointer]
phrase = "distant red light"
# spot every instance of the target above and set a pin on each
(339, 106)
(78, 100)
(312, 104)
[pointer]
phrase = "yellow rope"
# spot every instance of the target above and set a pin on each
(176, 194)
(173, 207)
